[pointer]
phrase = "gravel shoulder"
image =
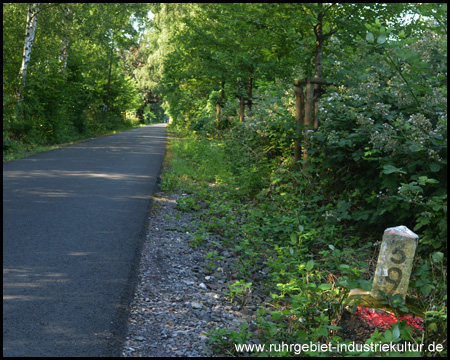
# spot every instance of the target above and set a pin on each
(180, 296)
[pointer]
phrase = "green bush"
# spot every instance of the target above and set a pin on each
(383, 151)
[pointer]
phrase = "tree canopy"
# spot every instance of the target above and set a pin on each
(387, 66)
(74, 79)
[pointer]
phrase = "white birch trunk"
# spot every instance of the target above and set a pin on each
(64, 43)
(30, 31)
(63, 55)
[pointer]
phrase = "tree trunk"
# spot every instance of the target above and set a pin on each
(30, 31)
(320, 39)
(241, 109)
(251, 71)
(299, 115)
(318, 30)
(217, 115)
(250, 90)
(64, 43)
(220, 101)
(105, 107)
(308, 121)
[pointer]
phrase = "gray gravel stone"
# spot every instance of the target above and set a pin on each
(177, 301)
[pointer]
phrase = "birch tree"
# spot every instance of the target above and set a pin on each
(32, 16)
(65, 42)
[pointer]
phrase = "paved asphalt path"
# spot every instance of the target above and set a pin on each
(73, 224)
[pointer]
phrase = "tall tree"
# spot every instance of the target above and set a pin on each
(67, 11)
(66, 73)
(30, 31)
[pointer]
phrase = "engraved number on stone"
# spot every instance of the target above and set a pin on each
(402, 259)
(389, 279)
(397, 281)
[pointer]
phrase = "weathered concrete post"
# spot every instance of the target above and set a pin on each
(394, 266)
(395, 262)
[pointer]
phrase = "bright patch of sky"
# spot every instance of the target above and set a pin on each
(150, 16)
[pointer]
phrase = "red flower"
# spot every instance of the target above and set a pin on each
(383, 320)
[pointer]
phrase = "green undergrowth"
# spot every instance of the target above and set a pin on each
(270, 213)
(20, 149)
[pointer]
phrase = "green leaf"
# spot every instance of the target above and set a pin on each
(309, 265)
(388, 336)
(381, 39)
(293, 239)
(424, 179)
(273, 330)
(370, 38)
(396, 332)
(389, 169)
(365, 285)
(325, 286)
(323, 331)
(437, 256)
(437, 207)
(434, 167)
(331, 327)
(426, 289)
(276, 315)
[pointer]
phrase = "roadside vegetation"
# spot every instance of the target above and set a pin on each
(282, 220)
(377, 160)
(69, 76)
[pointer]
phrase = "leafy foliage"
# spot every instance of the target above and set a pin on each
(389, 147)
(63, 101)
(378, 157)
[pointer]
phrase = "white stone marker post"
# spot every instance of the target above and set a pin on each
(395, 261)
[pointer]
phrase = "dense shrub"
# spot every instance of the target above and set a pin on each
(385, 148)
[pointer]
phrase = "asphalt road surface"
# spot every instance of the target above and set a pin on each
(74, 220)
